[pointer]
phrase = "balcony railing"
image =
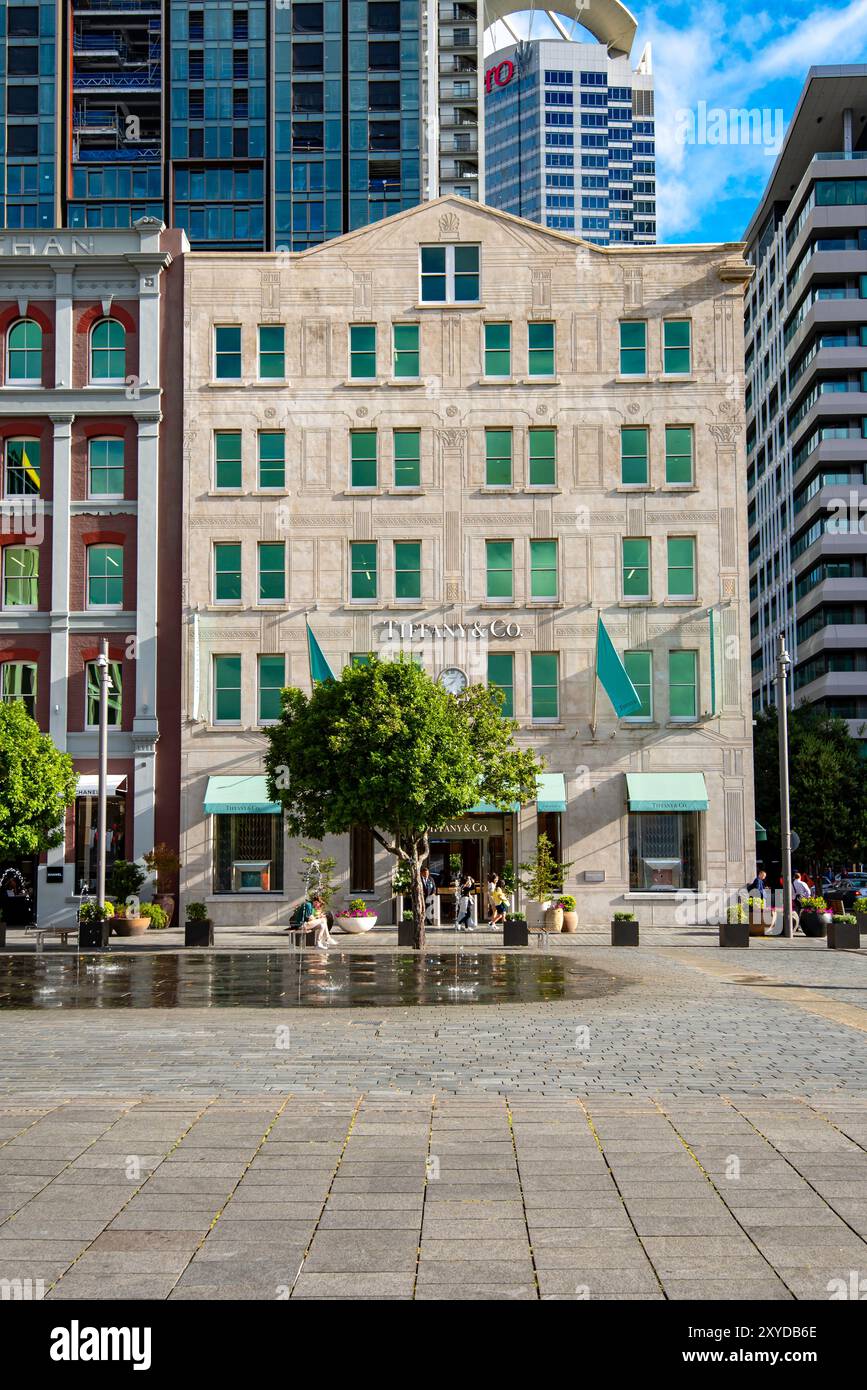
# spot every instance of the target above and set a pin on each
(118, 81)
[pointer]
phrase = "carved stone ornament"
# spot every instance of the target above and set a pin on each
(450, 226)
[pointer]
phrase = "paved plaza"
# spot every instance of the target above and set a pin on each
(696, 1130)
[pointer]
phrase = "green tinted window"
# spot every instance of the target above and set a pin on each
(433, 274)
(466, 261)
(114, 695)
(20, 576)
(272, 352)
(682, 681)
(105, 576)
(543, 569)
(407, 569)
(363, 563)
(501, 673)
(678, 453)
(498, 458)
(639, 669)
(633, 456)
(272, 572)
(227, 352)
(544, 670)
(406, 350)
(636, 568)
(272, 678)
(23, 471)
(543, 458)
(227, 690)
(272, 459)
(362, 350)
(541, 349)
(499, 566)
(498, 349)
(25, 351)
(363, 458)
(227, 572)
(407, 458)
(227, 458)
(633, 348)
(681, 567)
(676, 346)
(108, 351)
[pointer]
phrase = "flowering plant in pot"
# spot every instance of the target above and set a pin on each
(760, 915)
(814, 917)
(570, 912)
(355, 918)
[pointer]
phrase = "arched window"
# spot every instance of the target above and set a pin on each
(105, 468)
(22, 468)
(108, 351)
(20, 576)
(105, 576)
(18, 682)
(24, 353)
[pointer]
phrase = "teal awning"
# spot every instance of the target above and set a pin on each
(238, 796)
(550, 791)
(550, 796)
(666, 791)
(761, 832)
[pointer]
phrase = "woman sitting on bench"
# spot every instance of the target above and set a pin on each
(310, 916)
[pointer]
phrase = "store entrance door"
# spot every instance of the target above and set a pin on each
(451, 859)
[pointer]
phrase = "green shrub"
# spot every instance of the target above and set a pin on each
(736, 913)
(624, 917)
(196, 912)
(125, 879)
(847, 919)
(158, 916)
(92, 912)
(859, 905)
(567, 902)
(812, 904)
(517, 916)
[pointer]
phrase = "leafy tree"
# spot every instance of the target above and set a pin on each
(388, 748)
(545, 874)
(37, 783)
(827, 785)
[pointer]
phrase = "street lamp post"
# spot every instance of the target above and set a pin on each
(783, 663)
(104, 686)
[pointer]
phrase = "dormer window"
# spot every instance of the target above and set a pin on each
(450, 274)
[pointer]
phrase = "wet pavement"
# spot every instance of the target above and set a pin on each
(300, 980)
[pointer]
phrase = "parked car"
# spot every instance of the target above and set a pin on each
(847, 888)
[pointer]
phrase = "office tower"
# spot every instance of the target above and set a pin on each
(569, 134)
(806, 402)
(462, 436)
(253, 125)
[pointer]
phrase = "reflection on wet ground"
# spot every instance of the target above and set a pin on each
(301, 980)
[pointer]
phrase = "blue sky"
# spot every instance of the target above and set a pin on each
(740, 55)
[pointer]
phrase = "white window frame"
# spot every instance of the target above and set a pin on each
(92, 728)
(20, 439)
(18, 607)
(641, 718)
(225, 723)
(105, 496)
(25, 381)
(101, 607)
(105, 380)
(449, 248)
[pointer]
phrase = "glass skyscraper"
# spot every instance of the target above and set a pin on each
(252, 125)
(570, 139)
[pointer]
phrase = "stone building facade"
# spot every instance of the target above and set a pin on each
(466, 436)
(90, 526)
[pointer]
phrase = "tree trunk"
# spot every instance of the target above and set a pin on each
(418, 900)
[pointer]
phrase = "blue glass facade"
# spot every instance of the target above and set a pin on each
(284, 123)
(570, 144)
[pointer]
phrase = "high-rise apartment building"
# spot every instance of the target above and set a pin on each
(806, 402)
(569, 136)
(253, 125)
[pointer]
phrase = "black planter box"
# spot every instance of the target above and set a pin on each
(406, 933)
(2, 936)
(199, 933)
(624, 933)
(93, 935)
(515, 933)
(734, 934)
(844, 936)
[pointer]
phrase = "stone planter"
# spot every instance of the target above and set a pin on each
(515, 933)
(353, 926)
(734, 934)
(761, 919)
(570, 921)
(624, 933)
(843, 936)
(553, 919)
(199, 933)
(93, 935)
(130, 926)
(814, 923)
